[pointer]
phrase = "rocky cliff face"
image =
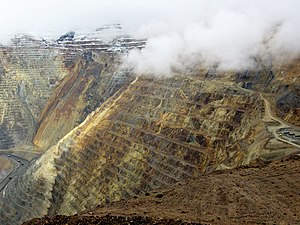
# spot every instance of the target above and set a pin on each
(108, 134)
(28, 76)
(87, 85)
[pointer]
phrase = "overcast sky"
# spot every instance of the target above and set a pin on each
(59, 16)
(231, 31)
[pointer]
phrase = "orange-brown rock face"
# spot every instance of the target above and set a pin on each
(86, 87)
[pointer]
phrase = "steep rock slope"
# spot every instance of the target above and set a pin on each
(28, 75)
(151, 133)
(89, 84)
(78, 75)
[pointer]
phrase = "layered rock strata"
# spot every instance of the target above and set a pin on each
(80, 72)
(27, 80)
(283, 86)
(151, 133)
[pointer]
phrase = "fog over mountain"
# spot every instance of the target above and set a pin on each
(232, 33)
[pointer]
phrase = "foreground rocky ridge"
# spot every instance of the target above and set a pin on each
(109, 134)
(262, 193)
(108, 220)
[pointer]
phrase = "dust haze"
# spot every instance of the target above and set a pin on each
(232, 33)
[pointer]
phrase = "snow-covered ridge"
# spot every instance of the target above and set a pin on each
(108, 38)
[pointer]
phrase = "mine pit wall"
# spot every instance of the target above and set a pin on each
(27, 78)
(40, 69)
(85, 88)
(42, 85)
(150, 134)
(282, 84)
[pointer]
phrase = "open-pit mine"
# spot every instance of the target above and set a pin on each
(78, 130)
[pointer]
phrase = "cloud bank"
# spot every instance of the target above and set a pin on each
(232, 33)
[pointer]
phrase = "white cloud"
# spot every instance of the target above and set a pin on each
(232, 33)
(229, 31)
